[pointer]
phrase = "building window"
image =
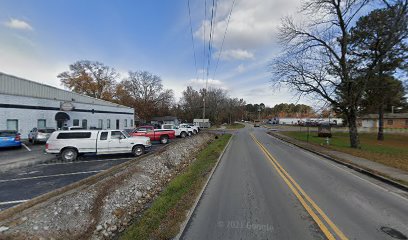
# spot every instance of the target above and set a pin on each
(125, 122)
(117, 124)
(108, 124)
(75, 122)
(41, 123)
(131, 122)
(390, 122)
(12, 124)
(100, 123)
(84, 124)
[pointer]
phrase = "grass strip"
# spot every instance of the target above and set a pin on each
(393, 151)
(163, 219)
(235, 126)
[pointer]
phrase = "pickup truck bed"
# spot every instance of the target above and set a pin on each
(161, 135)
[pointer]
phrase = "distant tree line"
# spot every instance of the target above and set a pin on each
(282, 110)
(144, 92)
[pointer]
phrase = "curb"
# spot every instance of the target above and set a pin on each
(25, 163)
(349, 165)
(193, 208)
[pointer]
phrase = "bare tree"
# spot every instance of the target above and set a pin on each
(147, 94)
(316, 59)
(90, 78)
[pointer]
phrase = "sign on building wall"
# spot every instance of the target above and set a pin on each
(67, 106)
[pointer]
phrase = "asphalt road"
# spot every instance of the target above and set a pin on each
(22, 184)
(272, 190)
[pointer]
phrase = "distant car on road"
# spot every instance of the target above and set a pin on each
(257, 124)
(40, 134)
(161, 135)
(9, 138)
(70, 144)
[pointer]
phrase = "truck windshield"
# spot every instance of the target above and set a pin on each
(126, 134)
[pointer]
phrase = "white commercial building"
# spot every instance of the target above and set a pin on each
(26, 104)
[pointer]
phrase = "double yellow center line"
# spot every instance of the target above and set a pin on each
(311, 207)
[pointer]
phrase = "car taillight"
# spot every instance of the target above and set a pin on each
(17, 138)
(46, 146)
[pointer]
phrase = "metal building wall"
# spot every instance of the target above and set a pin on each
(12, 85)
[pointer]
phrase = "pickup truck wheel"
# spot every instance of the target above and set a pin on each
(164, 139)
(190, 133)
(69, 154)
(138, 151)
(183, 135)
(195, 131)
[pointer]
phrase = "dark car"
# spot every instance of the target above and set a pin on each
(9, 138)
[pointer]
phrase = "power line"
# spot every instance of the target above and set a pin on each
(223, 39)
(210, 43)
(192, 38)
(205, 92)
(204, 52)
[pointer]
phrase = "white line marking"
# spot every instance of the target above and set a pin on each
(13, 202)
(98, 160)
(28, 149)
(48, 176)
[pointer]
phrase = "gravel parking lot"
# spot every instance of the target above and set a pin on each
(22, 184)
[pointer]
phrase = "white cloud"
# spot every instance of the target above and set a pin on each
(201, 83)
(235, 54)
(253, 24)
(241, 68)
(18, 24)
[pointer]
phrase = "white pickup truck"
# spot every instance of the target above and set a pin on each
(193, 129)
(70, 144)
(180, 131)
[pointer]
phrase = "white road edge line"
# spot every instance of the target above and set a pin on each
(13, 202)
(48, 176)
(28, 149)
(346, 169)
(192, 209)
(87, 161)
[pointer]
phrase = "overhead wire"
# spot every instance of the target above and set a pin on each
(192, 38)
(210, 42)
(223, 39)
(204, 38)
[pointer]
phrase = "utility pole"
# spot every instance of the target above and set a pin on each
(259, 114)
(204, 107)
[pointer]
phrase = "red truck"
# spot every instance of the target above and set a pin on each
(154, 134)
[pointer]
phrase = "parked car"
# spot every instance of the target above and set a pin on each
(9, 138)
(39, 134)
(194, 127)
(191, 130)
(161, 135)
(179, 131)
(70, 144)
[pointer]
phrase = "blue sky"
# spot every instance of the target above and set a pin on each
(39, 39)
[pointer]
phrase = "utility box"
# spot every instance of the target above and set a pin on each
(202, 123)
(324, 130)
